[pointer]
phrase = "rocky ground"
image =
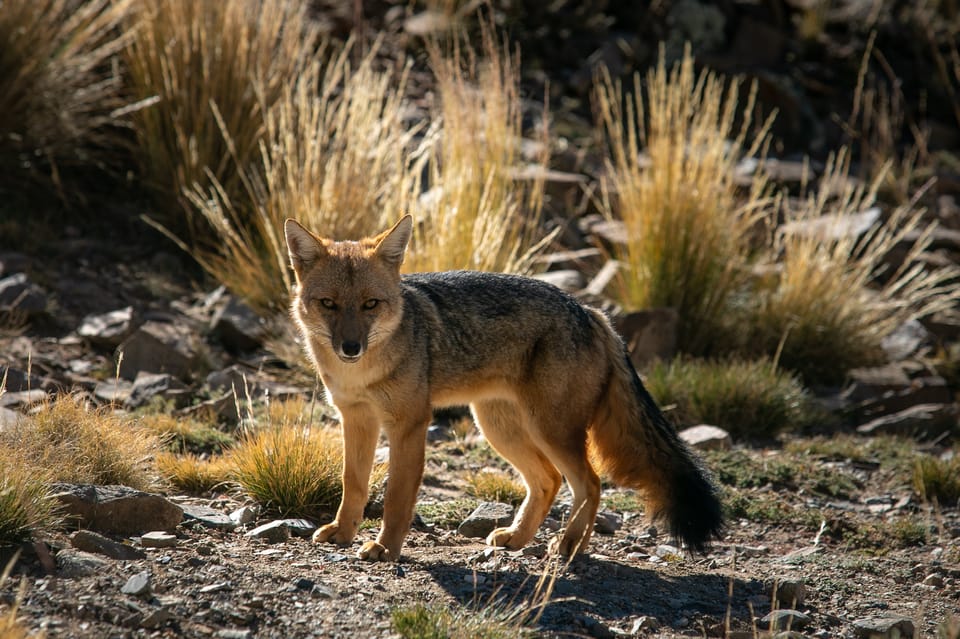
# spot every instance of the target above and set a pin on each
(828, 537)
(840, 539)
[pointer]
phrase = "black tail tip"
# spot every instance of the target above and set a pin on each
(695, 516)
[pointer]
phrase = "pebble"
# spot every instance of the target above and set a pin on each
(138, 585)
(158, 539)
(785, 620)
(245, 515)
(607, 522)
(273, 532)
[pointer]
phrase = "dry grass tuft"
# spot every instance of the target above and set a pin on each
(495, 486)
(823, 313)
(58, 89)
(202, 69)
(194, 473)
(186, 435)
(290, 465)
(671, 179)
(25, 504)
(483, 208)
(79, 444)
(938, 480)
(750, 399)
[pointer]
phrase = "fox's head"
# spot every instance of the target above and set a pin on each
(348, 295)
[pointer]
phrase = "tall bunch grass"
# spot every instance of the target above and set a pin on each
(483, 208)
(335, 155)
(197, 69)
(58, 88)
(79, 444)
(836, 297)
(673, 149)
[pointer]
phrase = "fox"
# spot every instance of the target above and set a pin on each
(549, 383)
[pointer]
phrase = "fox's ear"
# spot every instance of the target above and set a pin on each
(392, 244)
(303, 247)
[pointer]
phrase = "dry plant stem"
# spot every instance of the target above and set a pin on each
(478, 213)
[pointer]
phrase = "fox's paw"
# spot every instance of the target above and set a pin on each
(333, 532)
(507, 538)
(375, 551)
(567, 546)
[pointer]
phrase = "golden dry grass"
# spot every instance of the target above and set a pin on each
(79, 444)
(673, 148)
(198, 70)
(193, 473)
(482, 210)
(58, 88)
(25, 504)
(495, 486)
(833, 298)
(335, 156)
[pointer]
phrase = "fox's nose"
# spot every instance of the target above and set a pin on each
(351, 349)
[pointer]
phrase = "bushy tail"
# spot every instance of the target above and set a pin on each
(633, 443)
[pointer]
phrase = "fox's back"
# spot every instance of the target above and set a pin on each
(480, 326)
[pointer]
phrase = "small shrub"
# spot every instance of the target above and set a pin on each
(79, 444)
(833, 298)
(938, 479)
(496, 486)
(422, 621)
(194, 474)
(671, 179)
(25, 503)
(749, 399)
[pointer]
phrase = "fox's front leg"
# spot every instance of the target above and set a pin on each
(359, 430)
(405, 471)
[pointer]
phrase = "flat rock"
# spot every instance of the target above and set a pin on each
(487, 516)
(927, 419)
(18, 293)
(237, 326)
(649, 334)
(607, 523)
(114, 391)
(273, 532)
(208, 517)
(107, 330)
(138, 585)
(569, 280)
(158, 539)
(74, 563)
(160, 347)
(89, 541)
(244, 515)
(884, 627)
(300, 527)
(146, 386)
(116, 509)
(785, 620)
(23, 400)
(706, 437)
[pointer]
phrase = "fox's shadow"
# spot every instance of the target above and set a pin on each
(602, 587)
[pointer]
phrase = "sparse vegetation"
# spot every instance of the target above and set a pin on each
(79, 444)
(422, 621)
(186, 435)
(447, 514)
(820, 314)
(25, 504)
(749, 399)
(496, 486)
(671, 179)
(195, 474)
(938, 480)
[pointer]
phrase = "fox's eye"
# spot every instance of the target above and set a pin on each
(326, 302)
(370, 304)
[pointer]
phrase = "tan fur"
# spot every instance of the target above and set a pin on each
(546, 378)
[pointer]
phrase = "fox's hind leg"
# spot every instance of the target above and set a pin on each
(501, 423)
(570, 456)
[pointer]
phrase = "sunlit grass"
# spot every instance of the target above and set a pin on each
(674, 144)
(482, 210)
(79, 444)
(193, 473)
(26, 507)
(496, 486)
(833, 298)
